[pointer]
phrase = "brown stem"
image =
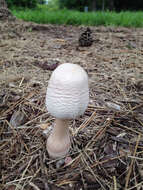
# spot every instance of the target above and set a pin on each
(58, 143)
(60, 128)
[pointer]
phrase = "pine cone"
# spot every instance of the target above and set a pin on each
(85, 38)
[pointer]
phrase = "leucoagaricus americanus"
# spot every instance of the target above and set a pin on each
(67, 97)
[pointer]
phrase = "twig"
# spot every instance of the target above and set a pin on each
(83, 125)
(107, 160)
(21, 82)
(132, 162)
(17, 103)
(99, 133)
(90, 169)
(23, 174)
(137, 158)
(18, 180)
(130, 129)
(139, 121)
(34, 186)
(139, 184)
(115, 182)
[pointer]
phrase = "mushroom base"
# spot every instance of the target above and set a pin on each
(56, 151)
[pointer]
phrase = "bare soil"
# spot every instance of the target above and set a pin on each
(107, 142)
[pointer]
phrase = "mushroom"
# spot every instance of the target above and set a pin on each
(67, 97)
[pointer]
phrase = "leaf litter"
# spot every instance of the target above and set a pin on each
(107, 142)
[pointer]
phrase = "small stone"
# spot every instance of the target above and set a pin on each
(68, 159)
(12, 85)
(44, 126)
(113, 106)
(18, 118)
(60, 163)
(46, 129)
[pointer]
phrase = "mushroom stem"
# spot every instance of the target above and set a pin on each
(58, 143)
(60, 128)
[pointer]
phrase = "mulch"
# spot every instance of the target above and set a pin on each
(107, 142)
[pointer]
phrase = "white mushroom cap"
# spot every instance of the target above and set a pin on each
(67, 93)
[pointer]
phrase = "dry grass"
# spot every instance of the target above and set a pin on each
(107, 142)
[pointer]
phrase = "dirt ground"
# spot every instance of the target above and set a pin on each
(107, 142)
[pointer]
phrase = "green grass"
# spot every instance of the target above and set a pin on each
(44, 15)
